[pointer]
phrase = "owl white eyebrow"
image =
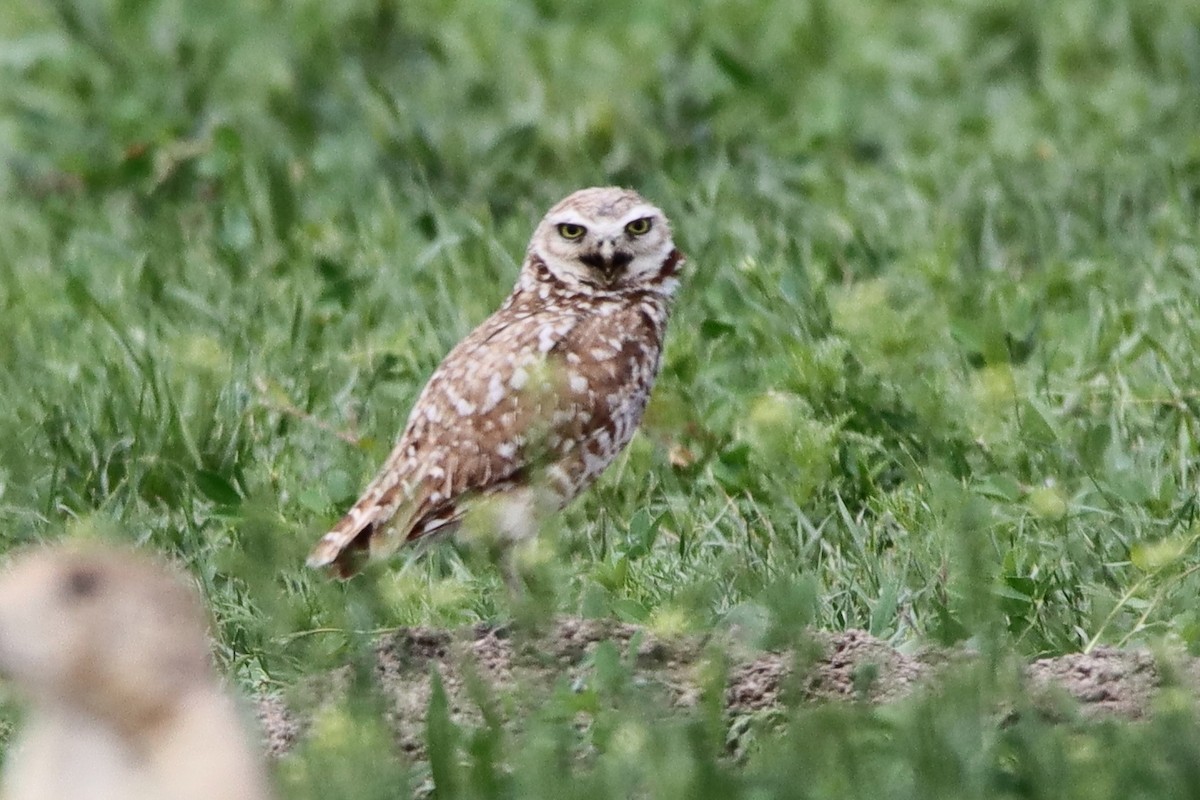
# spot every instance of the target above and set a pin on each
(571, 219)
(641, 212)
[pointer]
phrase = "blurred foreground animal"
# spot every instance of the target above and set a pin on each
(110, 650)
(529, 409)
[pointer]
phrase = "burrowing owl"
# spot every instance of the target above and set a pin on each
(544, 394)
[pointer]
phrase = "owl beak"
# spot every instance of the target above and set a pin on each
(608, 260)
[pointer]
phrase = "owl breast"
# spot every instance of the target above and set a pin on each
(548, 395)
(608, 365)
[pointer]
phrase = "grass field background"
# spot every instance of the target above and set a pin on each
(933, 372)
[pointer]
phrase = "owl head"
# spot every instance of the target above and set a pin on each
(607, 239)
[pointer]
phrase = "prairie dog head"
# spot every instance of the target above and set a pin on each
(109, 631)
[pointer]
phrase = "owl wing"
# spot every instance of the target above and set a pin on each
(467, 435)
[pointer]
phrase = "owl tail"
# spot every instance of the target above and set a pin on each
(345, 547)
(367, 531)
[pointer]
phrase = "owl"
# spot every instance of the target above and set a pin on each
(532, 405)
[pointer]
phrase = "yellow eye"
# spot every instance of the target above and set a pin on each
(569, 230)
(638, 226)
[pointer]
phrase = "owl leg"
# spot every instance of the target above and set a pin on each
(517, 514)
(506, 524)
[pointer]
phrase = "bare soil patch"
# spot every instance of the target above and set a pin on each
(516, 669)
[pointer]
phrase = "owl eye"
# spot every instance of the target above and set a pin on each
(569, 230)
(639, 226)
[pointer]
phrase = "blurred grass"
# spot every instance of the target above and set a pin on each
(935, 355)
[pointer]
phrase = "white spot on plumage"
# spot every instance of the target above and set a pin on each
(559, 475)
(594, 463)
(461, 405)
(495, 393)
(464, 407)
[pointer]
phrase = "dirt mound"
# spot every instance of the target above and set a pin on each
(850, 665)
(1104, 681)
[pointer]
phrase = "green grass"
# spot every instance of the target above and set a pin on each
(933, 371)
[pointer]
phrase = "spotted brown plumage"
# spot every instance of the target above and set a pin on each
(543, 395)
